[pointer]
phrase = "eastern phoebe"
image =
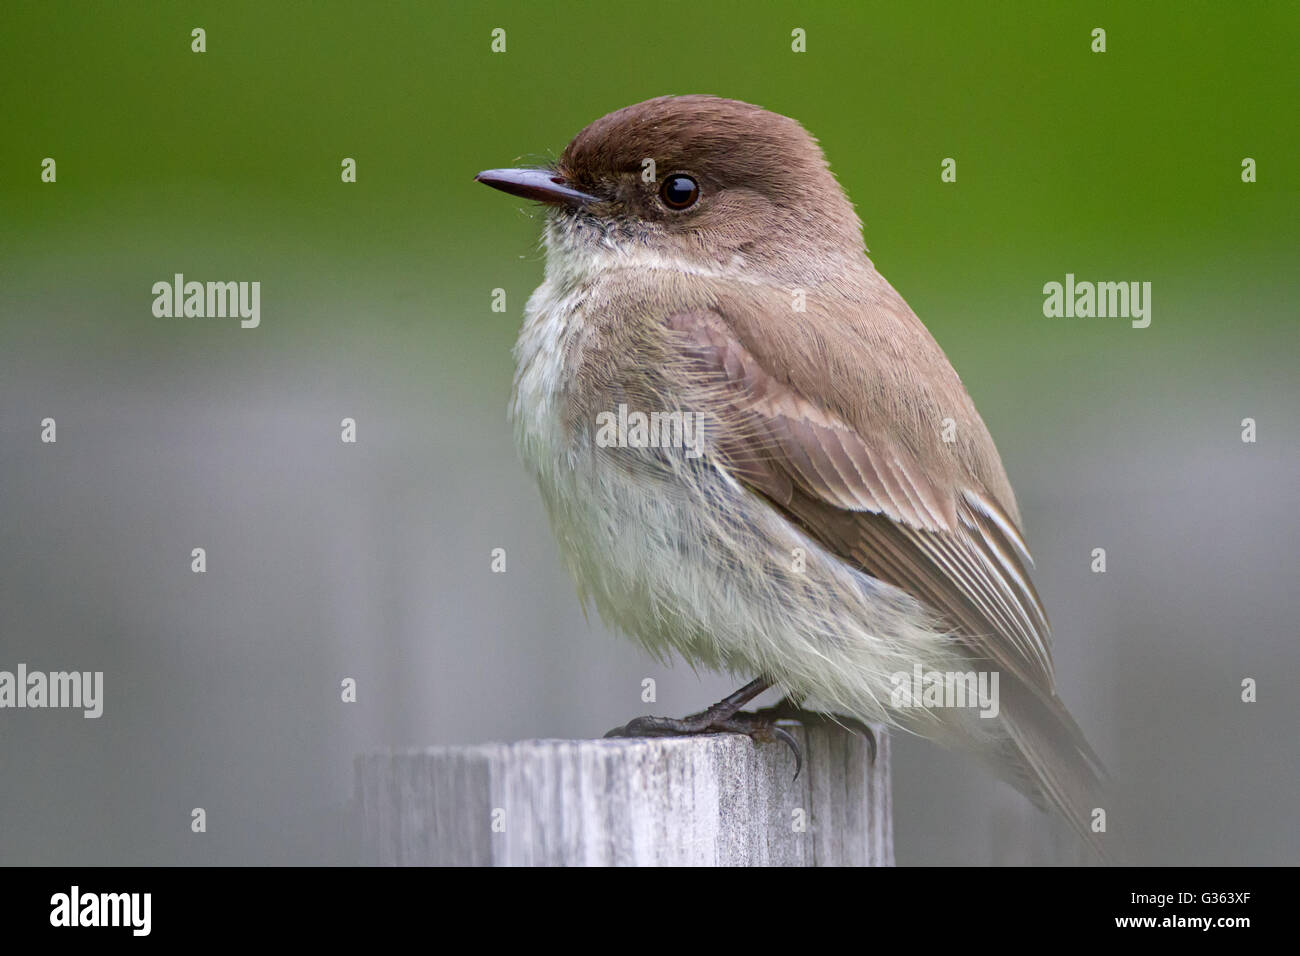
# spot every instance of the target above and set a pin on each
(753, 453)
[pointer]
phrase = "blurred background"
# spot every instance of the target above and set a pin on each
(329, 560)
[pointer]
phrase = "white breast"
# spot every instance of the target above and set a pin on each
(697, 563)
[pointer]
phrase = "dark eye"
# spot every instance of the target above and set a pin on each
(679, 192)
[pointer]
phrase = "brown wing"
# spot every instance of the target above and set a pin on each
(866, 498)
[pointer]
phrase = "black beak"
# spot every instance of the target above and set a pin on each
(540, 184)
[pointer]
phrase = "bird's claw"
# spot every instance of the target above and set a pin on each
(753, 726)
(787, 709)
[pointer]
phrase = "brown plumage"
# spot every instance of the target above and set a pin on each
(839, 426)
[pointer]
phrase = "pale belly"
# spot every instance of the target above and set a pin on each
(682, 557)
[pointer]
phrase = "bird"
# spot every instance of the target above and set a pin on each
(754, 455)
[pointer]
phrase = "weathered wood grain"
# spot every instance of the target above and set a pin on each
(711, 800)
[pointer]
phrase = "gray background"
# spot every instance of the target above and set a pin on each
(372, 561)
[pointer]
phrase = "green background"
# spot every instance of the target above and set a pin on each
(376, 302)
(1115, 165)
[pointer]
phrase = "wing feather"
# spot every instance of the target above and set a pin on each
(868, 499)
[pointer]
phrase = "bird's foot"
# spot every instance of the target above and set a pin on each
(714, 721)
(788, 709)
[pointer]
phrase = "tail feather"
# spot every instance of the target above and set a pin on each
(1051, 761)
